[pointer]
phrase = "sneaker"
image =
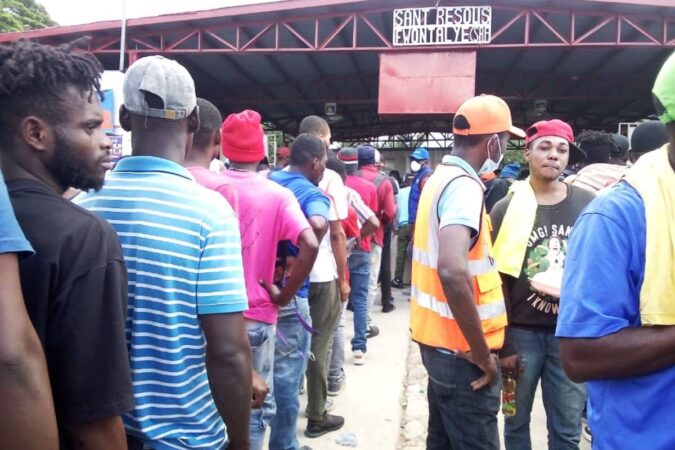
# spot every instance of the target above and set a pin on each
(389, 307)
(335, 388)
(397, 283)
(328, 423)
(372, 332)
(586, 432)
(330, 405)
(359, 357)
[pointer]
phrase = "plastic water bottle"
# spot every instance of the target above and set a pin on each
(509, 395)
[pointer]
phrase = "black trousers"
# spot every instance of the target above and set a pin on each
(385, 268)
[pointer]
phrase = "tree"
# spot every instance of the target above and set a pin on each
(21, 15)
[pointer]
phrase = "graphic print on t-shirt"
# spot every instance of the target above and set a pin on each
(545, 261)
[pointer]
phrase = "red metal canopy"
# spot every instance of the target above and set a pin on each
(591, 62)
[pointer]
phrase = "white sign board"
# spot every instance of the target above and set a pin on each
(442, 26)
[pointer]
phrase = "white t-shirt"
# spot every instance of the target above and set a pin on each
(325, 268)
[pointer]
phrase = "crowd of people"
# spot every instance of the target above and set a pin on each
(177, 306)
(167, 302)
(563, 277)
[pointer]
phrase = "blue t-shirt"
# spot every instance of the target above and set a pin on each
(604, 271)
(312, 201)
(182, 247)
(12, 239)
(402, 206)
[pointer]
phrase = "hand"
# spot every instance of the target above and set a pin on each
(274, 293)
(511, 365)
(488, 366)
(260, 390)
(345, 289)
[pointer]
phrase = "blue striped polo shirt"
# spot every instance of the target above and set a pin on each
(182, 248)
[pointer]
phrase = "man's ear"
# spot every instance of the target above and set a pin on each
(125, 118)
(215, 141)
(528, 152)
(216, 138)
(193, 121)
(36, 132)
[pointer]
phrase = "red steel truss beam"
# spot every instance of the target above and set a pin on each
(329, 32)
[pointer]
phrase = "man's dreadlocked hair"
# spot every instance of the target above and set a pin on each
(34, 78)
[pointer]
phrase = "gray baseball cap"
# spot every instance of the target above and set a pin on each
(164, 78)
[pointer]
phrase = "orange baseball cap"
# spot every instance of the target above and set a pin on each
(484, 114)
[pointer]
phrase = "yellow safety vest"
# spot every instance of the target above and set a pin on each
(431, 320)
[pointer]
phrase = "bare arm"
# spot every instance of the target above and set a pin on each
(26, 410)
(105, 434)
(626, 353)
(369, 227)
(308, 248)
(228, 364)
(453, 270)
(319, 226)
(338, 242)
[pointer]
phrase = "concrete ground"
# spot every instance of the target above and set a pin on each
(375, 399)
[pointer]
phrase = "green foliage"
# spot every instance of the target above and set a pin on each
(22, 15)
(514, 156)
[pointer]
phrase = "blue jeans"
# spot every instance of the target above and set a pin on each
(290, 361)
(459, 417)
(261, 337)
(563, 399)
(359, 273)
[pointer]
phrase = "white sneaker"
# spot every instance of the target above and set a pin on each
(359, 358)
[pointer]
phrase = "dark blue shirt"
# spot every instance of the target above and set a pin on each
(312, 201)
(416, 192)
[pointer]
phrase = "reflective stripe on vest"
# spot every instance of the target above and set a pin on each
(432, 322)
(441, 308)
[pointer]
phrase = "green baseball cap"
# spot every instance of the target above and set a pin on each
(664, 89)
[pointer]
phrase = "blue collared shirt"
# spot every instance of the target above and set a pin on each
(182, 247)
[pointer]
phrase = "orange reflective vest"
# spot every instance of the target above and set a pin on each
(431, 319)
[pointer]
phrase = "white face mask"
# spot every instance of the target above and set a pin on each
(490, 165)
(415, 166)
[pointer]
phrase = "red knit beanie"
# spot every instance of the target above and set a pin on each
(242, 137)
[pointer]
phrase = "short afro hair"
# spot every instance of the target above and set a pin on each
(305, 148)
(210, 121)
(598, 145)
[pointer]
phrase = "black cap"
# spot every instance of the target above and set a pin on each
(621, 142)
(648, 136)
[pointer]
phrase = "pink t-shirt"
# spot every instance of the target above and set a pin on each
(215, 182)
(268, 213)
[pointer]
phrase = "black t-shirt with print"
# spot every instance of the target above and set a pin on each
(75, 290)
(534, 296)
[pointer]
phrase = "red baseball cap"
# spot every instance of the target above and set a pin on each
(557, 128)
(284, 152)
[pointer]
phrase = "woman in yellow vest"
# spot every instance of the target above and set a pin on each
(458, 315)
